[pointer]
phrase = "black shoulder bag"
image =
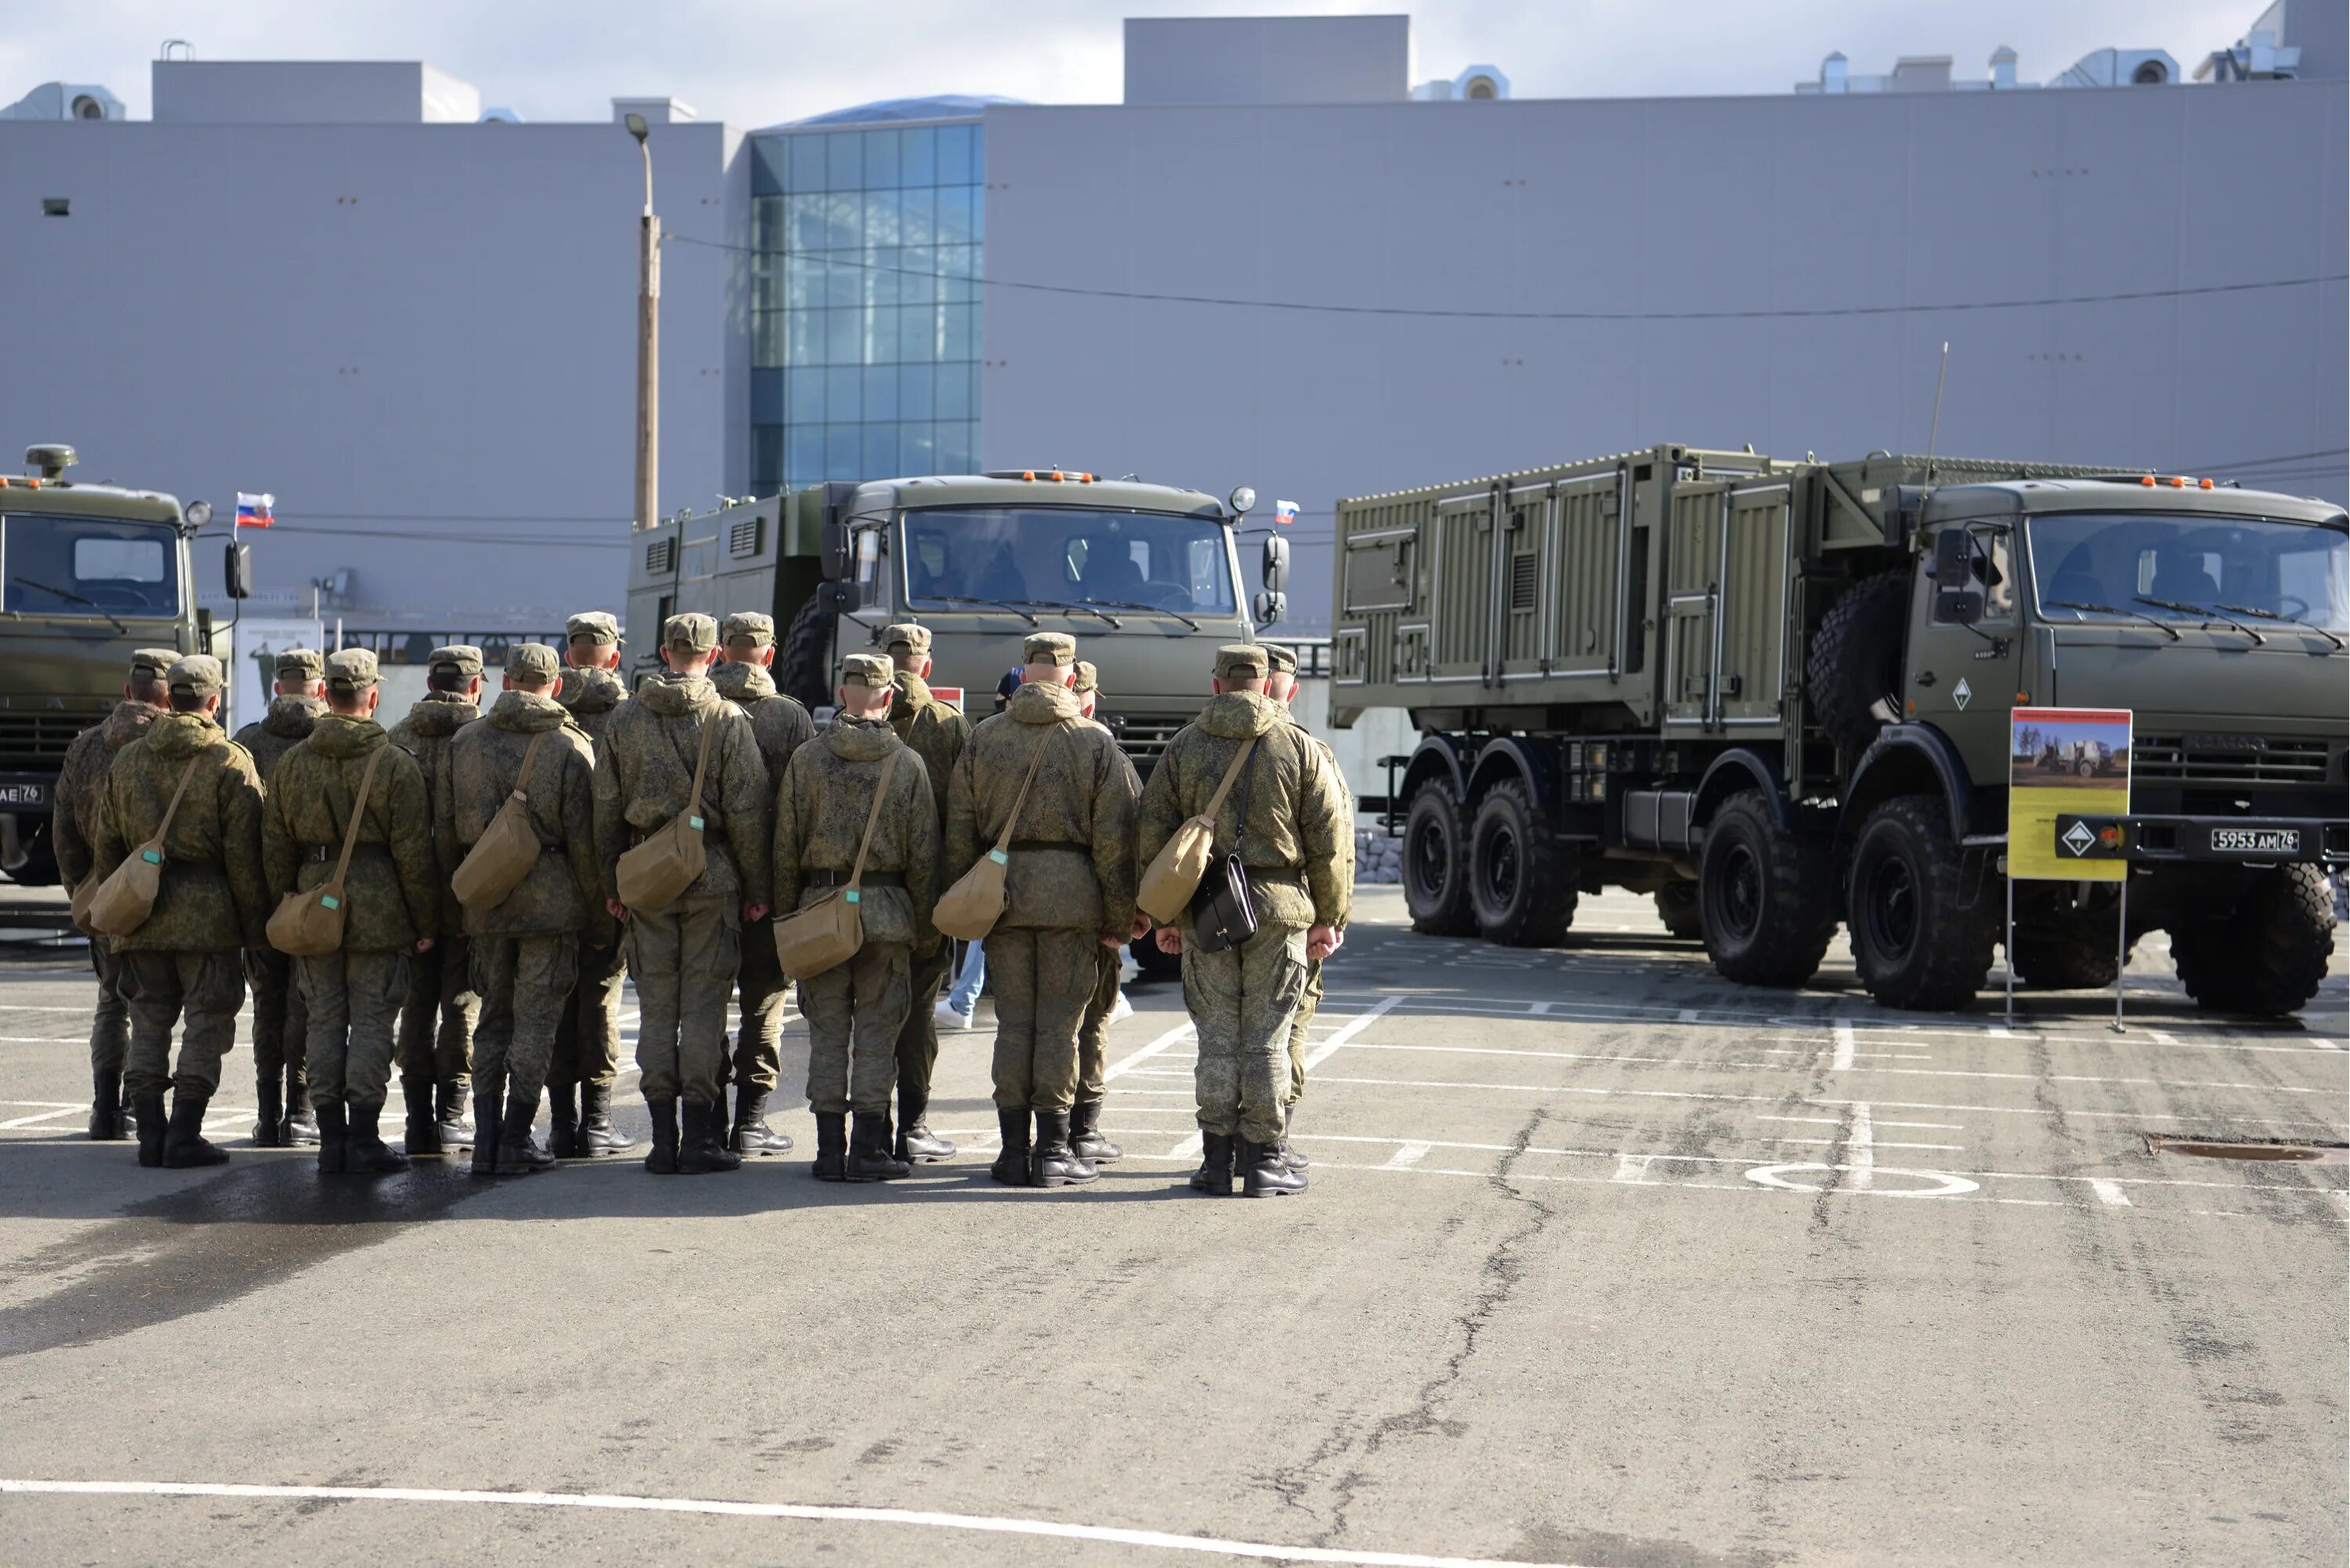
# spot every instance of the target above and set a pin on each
(1223, 914)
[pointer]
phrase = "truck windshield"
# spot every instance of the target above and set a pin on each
(89, 567)
(2136, 565)
(1047, 555)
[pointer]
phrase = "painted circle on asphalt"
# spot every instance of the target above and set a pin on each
(1945, 1185)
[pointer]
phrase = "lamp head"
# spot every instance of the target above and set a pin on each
(637, 126)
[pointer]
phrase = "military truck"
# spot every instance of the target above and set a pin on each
(1776, 695)
(92, 572)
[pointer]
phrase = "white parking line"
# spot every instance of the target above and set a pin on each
(1842, 1061)
(1406, 1156)
(1860, 1149)
(1323, 1052)
(2109, 1193)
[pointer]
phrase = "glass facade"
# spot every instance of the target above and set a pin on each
(865, 311)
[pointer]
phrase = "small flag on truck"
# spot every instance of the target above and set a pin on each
(254, 511)
(1284, 513)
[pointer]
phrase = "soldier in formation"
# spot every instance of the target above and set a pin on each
(587, 1038)
(936, 734)
(1109, 1003)
(1281, 685)
(281, 1092)
(438, 1019)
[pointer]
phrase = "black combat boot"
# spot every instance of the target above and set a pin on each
(489, 1130)
(869, 1159)
(334, 1139)
(1291, 1154)
(562, 1121)
(752, 1133)
(184, 1144)
(449, 1114)
(1084, 1134)
(1214, 1176)
(1052, 1163)
(269, 1113)
(300, 1128)
(367, 1154)
(423, 1127)
(519, 1150)
(662, 1160)
(915, 1143)
(105, 1108)
(832, 1146)
(149, 1111)
(1011, 1167)
(703, 1149)
(1265, 1174)
(597, 1134)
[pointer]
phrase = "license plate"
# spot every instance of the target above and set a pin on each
(2256, 841)
(32, 792)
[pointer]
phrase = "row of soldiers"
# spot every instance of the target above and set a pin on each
(783, 815)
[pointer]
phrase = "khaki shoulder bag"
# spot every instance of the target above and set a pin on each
(969, 911)
(827, 933)
(123, 901)
(310, 925)
(506, 850)
(656, 873)
(1174, 873)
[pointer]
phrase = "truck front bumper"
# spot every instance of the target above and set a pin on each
(2224, 840)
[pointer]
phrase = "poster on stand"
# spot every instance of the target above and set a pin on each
(2064, 764)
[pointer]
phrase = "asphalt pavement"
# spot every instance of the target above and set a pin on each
(1606, 1261)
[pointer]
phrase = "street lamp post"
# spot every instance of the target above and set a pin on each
(648, 339)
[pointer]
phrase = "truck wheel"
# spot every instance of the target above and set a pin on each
(1913, 944)
(1853, 674)
(2081, 959)
(1521, 879)
(1436, 863)
(804, 668)
(1679, 907)
(2268, 958)
(1766, 897)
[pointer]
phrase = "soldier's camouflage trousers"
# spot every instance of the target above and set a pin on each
(587, 1038)
(917, 1037)
(854, 1013)
(1093, 1033)
(684, 960)
(1308, 1004)
(1241, 1001)
(524, 983)
(109, 1021)
(1043, 980)
(759, 1036)
(280, 1018)
(354, 1000)
(438, 1018)
(200, 992)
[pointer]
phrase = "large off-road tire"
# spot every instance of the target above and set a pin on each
(2271, 955)
(1766, 896)
(2078, 956)
(1521, 878)
(1912, 943)
(804, 667)
(1853, 674)
(1436, 863)
(1683, 912)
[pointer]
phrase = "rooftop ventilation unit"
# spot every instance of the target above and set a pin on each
(66, 100)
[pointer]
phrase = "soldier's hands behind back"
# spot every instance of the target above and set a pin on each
(1171, 941)
(1321, 941)
(424, 944)
(617, 910)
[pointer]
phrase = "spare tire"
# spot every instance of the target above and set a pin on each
(1853, 674)
(803, 669)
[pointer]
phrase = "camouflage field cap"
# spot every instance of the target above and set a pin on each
(301, 664)
(1240, 661)
(905, 637)
(1279, 659)
(689, 633)
(352, 669)
(533, 662)
(595, 625)
(867, 669)
(196, 674)
(456, 659)
(1088, 678)
(748, 626)
(153, 663)
(1049, 648)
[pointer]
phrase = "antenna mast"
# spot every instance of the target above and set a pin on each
(1935, 429)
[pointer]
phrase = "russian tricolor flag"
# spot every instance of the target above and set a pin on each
(1284, 513)
(254, 511)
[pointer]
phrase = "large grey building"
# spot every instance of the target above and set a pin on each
(1278, 261)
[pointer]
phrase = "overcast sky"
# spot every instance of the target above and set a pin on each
(757, 62)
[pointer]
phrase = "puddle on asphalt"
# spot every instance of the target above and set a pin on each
(2261, 1148)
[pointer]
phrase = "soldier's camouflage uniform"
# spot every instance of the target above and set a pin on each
(437, 1018)
(821, 808)
(1309, 1001)
(1069, 883)
(781, 725)
(280, 1019)
(182, 962)
(526, 948)
(1093, 1031)
(937, 733)
(392, 897)
(1243, 999)
(684, 957)
(587, 1043)
(73, 822)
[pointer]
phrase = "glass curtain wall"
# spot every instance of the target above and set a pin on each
(865, 330)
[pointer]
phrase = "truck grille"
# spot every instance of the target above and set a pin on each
(1145, 736)
(40, 737)
(2229, 759)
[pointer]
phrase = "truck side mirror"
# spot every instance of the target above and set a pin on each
(1957, 600)
(1274, 571)
(833, 551)
(237, 572)
(1271, 607)
(841, 598)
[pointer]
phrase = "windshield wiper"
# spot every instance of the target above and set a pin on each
(2289, 620)
(2162, 626)
(73, 598)
(1066, 606)
(1150, 610)
(1008, 605)
(2258, 640)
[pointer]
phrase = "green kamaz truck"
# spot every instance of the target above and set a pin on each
(92, 571)
(1777, 695)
